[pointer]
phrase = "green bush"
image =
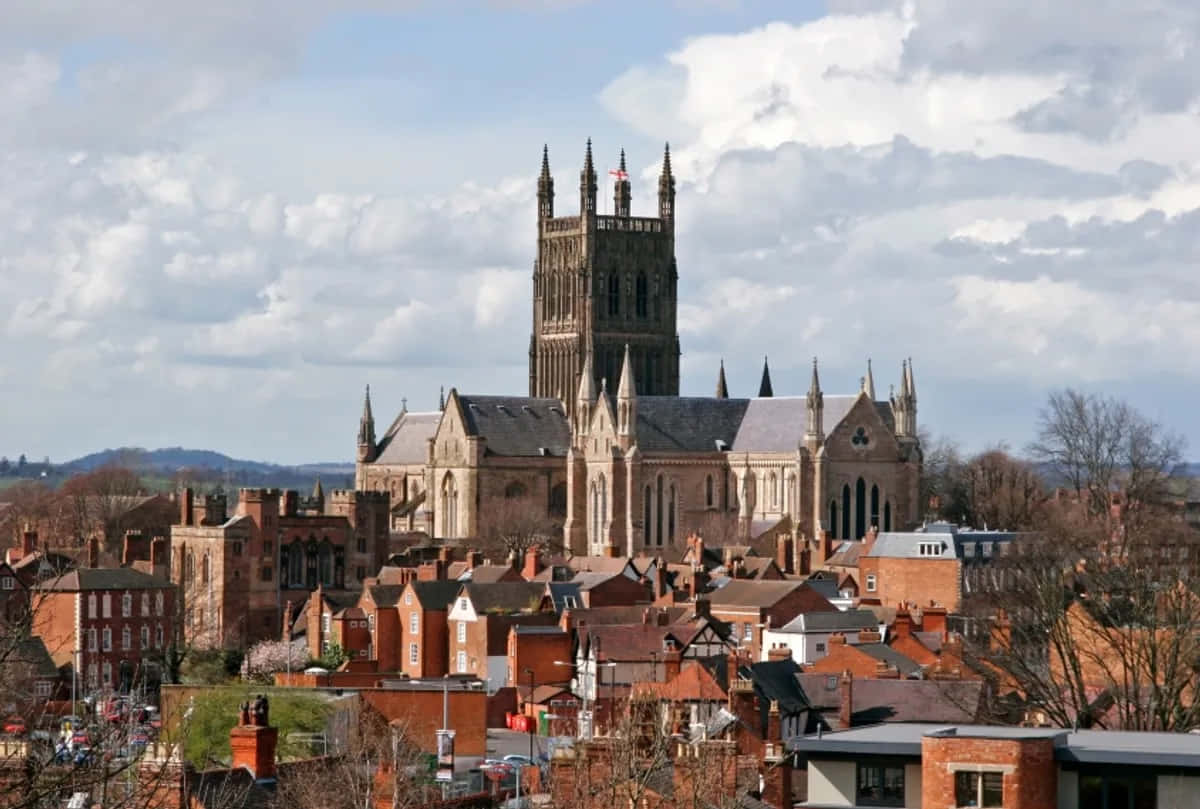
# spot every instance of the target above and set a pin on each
(210, 717)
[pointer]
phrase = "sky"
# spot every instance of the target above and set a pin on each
(219, 221)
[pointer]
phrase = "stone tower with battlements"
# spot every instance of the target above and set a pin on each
(602, 282)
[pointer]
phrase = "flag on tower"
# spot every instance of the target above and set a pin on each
(620, 174)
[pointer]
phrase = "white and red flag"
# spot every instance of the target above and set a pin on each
(620, 174)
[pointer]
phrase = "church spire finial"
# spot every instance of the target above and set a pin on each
(869, 382)
(666, 188)
(815, 403)
(587, 183)
(626, 398)
(764, 385)
(442, 397)
(622, 164)
(622, 196)
(366, 430)
(545, 187)
(722, 387)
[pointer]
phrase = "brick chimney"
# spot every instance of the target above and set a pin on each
(869, 540)
(774, 725)
(933, 619)
(432, 571)
(252, 741)
(660, 577)
(533, 563)
(846, 704)
(868, 636)
(186, 501)
(902, 626)
(780, 652)
(28, 541)
(474, 560)
(784, 553)
(695, 543)
(777, 777)
(703, 608)
(291, 503)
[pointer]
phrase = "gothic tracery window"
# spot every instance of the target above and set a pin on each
(614, 295)
(641, 295)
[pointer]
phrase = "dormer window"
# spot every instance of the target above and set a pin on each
(930, 549)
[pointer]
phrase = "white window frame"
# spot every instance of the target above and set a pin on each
(158, 603)
(7, 583)
(126, 638)
(92, 606)
(127, 605)
(460, 662)
(106, 639)
(42, 688)
(106, 605)
(413, 653)
(144, 637)
(106, 673)
(92, 643)
(145, 605)
(414, 623)
(408, 596)
(872, 581)
(462, 631)
(158, 637)
(979, 774)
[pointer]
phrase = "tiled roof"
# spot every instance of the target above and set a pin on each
(889, 700)
(518, 425)
(748, 593)
(831, 621)
(117, 578)
(490, 574)
(886, 654)
(406, 441)
(386, 595)
(846, 554)
(687, 424)
(627, 614)
(598, 564)
(436, 595)
(694, 683)
(505, 596)
(638, 641)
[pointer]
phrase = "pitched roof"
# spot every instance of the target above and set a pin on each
(436, 595)
(505, 596)
(846, 554)
(687, 424)
(406, 441)
(518, 425)
(778, 423)
(886, 654)
(31, 653)
(600, 564)
(694, 683)
(626, 614)
(831, 621)
(889, 700)
(749, 593)
(638, 641)
(115, 578)
(954, 541)
(490, 574)
(385, 595)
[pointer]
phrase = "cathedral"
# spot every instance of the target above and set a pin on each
(605, 450)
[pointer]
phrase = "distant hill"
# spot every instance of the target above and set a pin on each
(215, 467)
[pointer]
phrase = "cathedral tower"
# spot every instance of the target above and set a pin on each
(603, 282)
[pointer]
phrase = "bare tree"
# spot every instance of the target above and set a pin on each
(943, 492)
(513, 527)
(1002, 491)
(1098, 446)
(96, 502)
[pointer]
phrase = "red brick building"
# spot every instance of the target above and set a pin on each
(749, 606)
(420, 634)
(479, 621)
(114, 624)
(538, 649)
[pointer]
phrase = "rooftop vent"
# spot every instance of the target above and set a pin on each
(721, 445)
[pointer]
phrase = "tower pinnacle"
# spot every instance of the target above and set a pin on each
(869, 382)
(764, 386)
(722, 388)
(545, 187)
(587, 183)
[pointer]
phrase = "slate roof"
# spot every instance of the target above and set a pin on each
(886, 654)
(406, 441)
(875, 700)
(598, 564)
(118, 578)
(489, 574)
(846, 554)
(778, 423)
(626, 614)
(775, 680)
(518, 425)
(638, 641)
(831, 621)
(386, 595)
(559, 591)
(687, 423)
(505, 596)
(31, 652)
(955, 542)
(436, 595)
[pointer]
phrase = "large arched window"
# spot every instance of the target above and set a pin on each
(671, 516)
(449, 506)
(860, 508)
(553, 298)
(614, 295)
(642, 294)
(205, 569)
(295, 560)
(325, 563)
(887, 515)
(846, 512)
(708, 491)
(564, 299)
(647, 514)
(875, 506)
(310, 563)
(558, 499)
(658, 510)
(833, 521)
(773, 486)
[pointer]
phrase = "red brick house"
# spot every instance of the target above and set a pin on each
(537, 649)
(749, 606)
(420, 632)
(114, 623)
(479, 622)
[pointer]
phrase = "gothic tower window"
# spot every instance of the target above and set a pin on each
(205, 573)
(647, 514)
(283, 567)
(449, 506)
(553, 297)
(310, 563)
(295, 561)
(671, 517)
(875, 506)
(641, 295)
(614, 295)
(860, 509)
(708, 491)
(846, 511)
(658, 527)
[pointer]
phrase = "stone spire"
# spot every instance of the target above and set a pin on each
(626, 397)
(869, 382)
(912, 384)
(722, 388)
(586, 398)
(587, 184)
(666, 189)
(815, 404)
(366, 430)
(442, 397)
(545, 190)
(318, 495)
(622, 195)
(764, 386)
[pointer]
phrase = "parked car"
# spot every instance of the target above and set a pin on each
(518, 760)
(15, 726)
